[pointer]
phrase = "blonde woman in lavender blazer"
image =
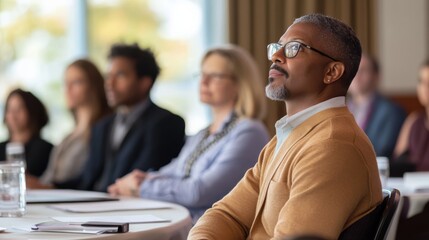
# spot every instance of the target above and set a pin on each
(215, 159)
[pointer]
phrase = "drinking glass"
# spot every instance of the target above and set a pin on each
(383, 170)
(12, 189)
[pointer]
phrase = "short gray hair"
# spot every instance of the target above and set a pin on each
(343, 42)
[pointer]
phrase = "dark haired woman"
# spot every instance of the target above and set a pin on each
(412, 148)
(25, 116)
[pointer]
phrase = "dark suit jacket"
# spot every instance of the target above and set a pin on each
(383, 126)
(153, 141)
(37, 153)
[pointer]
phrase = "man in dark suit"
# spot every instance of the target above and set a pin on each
(380, 118)
(140, 135)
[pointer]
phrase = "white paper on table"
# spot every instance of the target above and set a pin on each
(97, 231)
(65, 196)
(122, 205)
(146, 218)
(66, 227)
(28, 228)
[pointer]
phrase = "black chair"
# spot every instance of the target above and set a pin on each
(375, 225)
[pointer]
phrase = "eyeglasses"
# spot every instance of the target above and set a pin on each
(291, 49)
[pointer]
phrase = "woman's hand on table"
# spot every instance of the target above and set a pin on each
(127, 185)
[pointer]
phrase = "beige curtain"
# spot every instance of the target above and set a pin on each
(255, 23)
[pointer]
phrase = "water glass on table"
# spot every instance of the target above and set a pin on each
(15, 152)
(383, 170)
(12, 189)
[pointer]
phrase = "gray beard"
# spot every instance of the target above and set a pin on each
(276, 94)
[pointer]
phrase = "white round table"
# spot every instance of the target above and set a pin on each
(177, 228)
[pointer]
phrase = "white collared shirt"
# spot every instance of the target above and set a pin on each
(123, 122)
(286, 124)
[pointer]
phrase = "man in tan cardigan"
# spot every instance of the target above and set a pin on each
(318, 175)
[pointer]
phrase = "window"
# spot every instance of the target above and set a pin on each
(33, 40)
(39, 38)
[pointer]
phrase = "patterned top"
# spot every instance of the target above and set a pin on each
(214, 173)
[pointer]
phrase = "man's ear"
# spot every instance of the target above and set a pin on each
(334, 71)
(145, 84)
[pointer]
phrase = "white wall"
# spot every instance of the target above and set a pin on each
(403, 43)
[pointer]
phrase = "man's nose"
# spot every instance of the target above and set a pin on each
(279, 57)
